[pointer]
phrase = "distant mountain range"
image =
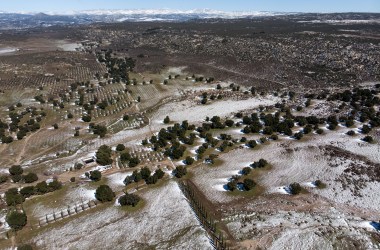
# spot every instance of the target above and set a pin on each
(23, 20)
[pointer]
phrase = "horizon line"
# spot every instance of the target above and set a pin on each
(179, 11)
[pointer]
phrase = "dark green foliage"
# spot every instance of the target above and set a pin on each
(16, 170)
(229, 123)
(104, 193)
(125, 157)
(307, 129)
(133, 162)
(246, 171)
(259, 164)
(125, 117)
(16, 220)
(248, 184)
(319, 131)
(349, 123)
(78, 166)
(128, 180)
(129, 200)
(365, 129)
(151, 180)
(166, 120)
(30, 177)
(231, 185)
(27, 191)
(211, 158)
(16, 178)
(176, 151)
(86, 118)
(13, 197)
(159, 173)
(42, 187)
(189, 160)
(100, 130)
(145, 173)
(295, 188)
(95, 175)
(7, 139)
(298, 136)
(318, 183)
(331, 126)
(243, 139)
(120, 147)
(72, 179)
(251, 143)
(274, 137)
(180, 171)
(136, 176)
(351, 133)
(3, 178)
(368, 139)
(54, 185)
(103, 155)
(70, 116)
(268, 131)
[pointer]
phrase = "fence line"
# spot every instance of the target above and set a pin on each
(65, 213)
(208, 223)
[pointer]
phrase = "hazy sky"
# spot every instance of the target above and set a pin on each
(226, 5)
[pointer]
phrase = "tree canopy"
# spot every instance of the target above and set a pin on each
(16, 220)
(104, 193)
(129, 200)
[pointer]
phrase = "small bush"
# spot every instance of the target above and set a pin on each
(120, 147)
(129, 200)
(351, 133)
(295, 188)
(16, 170)
(180, 171)
(319, 131)
(231, 185)
(368, 139)
(248, 184)
(317, 183)
(95, 175)
(30, 177)
(246, 171)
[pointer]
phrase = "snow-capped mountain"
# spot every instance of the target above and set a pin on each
(25, 19)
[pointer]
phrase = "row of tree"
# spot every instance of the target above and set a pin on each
(105, 194)
(14, 197)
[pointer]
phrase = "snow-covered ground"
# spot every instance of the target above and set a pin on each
(298, 161)
(116, 180)
(166, 222)
(186, 110)
(7, 50)
(300, 230)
